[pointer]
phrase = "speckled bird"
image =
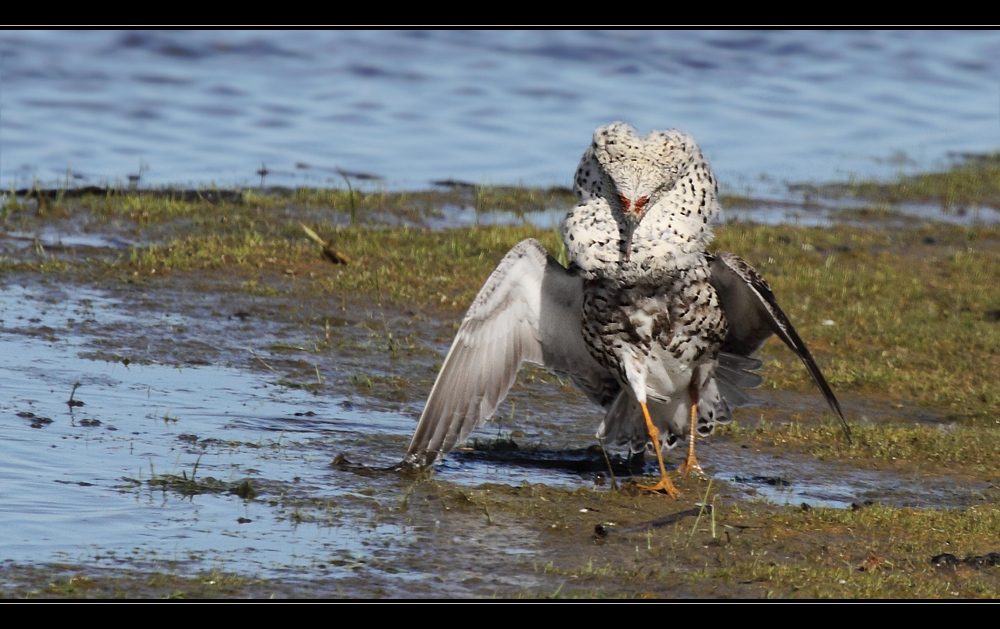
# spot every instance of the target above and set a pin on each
(645, 321)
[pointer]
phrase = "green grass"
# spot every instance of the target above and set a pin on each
(151, 206)
(973, 446)
(974, 181)
(910, 319)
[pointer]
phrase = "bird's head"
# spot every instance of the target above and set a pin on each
(635, 175)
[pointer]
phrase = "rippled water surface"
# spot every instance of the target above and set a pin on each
(76, 478)
(409, 108)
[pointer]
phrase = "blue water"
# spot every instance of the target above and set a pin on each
(197, 108)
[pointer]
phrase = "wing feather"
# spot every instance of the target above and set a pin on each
(753, 315)
(529, 310)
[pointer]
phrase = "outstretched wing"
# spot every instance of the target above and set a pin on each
(754, 314)
(529, 310)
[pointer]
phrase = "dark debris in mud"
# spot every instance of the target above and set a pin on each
(603, 530)
(948, 560)
(36, 421)
(176, 194)
(773, 481)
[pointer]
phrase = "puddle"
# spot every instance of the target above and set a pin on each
(452, 216)
(817, 212)
(856, 213)
(105, 483)
(76, 479)
(793, 480)
(54, 239)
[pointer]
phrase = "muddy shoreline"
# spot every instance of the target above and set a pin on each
(226, 370)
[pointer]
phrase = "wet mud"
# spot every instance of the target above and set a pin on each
(179, 436)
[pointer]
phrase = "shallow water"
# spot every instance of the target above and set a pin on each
(410, 108)
(827, 212)
(796, 480)
(76, 478)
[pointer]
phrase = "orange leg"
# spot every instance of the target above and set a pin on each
(654, 434)
(690, 463)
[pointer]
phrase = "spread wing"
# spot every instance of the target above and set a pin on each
(529, 310)
(754, 314)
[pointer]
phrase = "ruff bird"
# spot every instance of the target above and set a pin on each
(645, 321)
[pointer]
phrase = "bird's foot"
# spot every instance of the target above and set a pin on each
(664, 486)
(690, 464)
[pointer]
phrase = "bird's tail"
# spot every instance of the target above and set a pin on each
(624, 426)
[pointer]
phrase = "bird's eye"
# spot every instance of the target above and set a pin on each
(625, 202)
(641, 203)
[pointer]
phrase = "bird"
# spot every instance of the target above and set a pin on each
(645, 321)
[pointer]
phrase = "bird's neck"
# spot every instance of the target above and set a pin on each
(670, 238)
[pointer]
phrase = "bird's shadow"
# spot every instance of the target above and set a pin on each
(579, 460)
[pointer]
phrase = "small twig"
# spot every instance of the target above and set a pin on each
(71, 402)
(263, 362)
(603, 531)
(558, 589)
(328, 251)
(393, 345)
(313, 235)
(713, 514)
(611, 472)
